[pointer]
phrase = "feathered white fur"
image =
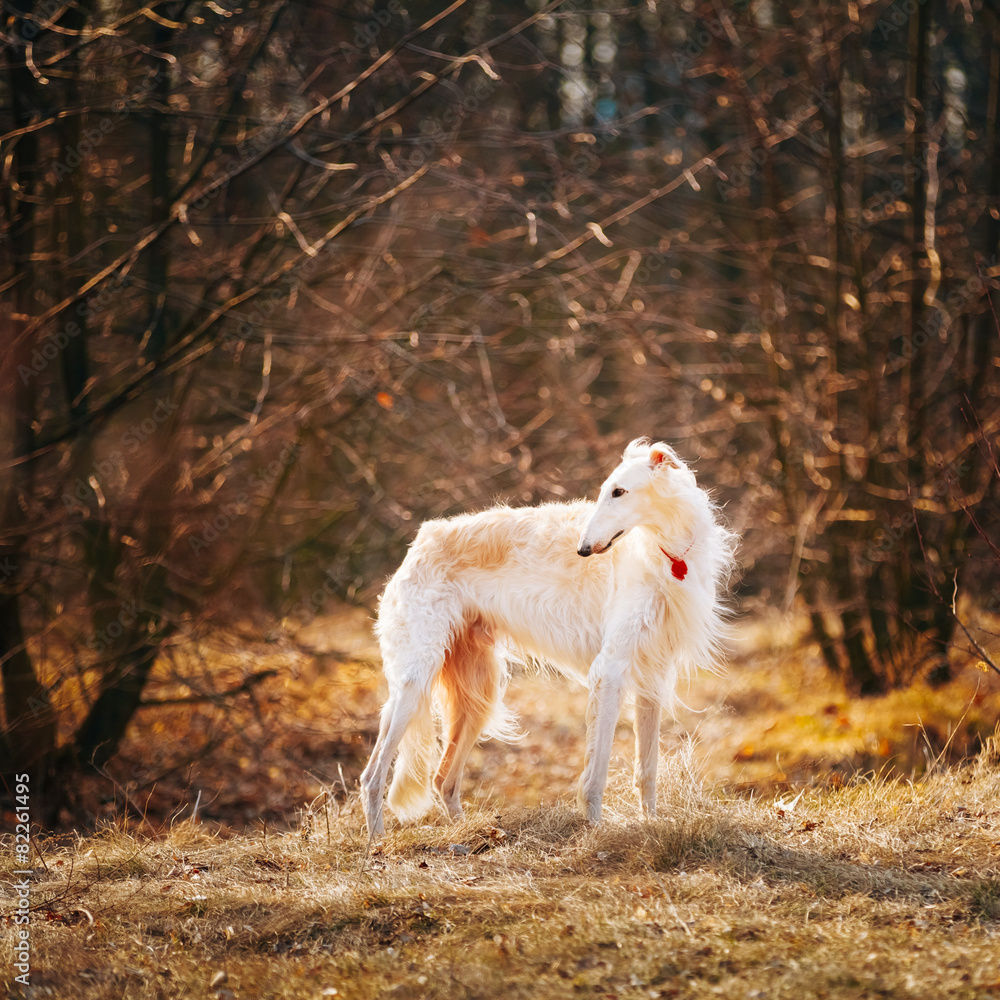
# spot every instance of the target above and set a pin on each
(644, 610)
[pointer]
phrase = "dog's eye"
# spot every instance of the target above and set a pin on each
(618, 492)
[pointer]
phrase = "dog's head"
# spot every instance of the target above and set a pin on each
(629, 496)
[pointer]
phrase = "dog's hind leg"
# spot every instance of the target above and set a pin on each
(407, 703)
(470, 686)
(647, 750)
(415, 631)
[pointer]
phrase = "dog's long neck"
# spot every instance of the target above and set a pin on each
(681, 536)
(686, 520)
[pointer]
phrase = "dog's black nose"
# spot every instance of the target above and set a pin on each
(584, 550)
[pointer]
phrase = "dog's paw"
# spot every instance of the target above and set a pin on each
(591, 808)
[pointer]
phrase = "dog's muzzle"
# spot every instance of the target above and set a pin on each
(586, 549)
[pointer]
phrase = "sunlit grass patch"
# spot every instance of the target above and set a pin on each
(777, 719)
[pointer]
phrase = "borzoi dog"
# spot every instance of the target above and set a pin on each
(644, 611)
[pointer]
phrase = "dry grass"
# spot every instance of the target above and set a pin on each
(775, 871)
(879, 888)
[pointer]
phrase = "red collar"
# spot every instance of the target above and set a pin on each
(677, 565)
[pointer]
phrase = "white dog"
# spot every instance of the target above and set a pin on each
(642, 613)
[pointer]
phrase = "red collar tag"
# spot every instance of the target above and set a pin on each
(678, 567)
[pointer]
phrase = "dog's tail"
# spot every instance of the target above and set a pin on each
(471, 687)
(410, 794)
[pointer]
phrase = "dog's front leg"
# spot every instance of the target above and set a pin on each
(603, 706)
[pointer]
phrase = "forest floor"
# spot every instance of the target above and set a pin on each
(808, 845)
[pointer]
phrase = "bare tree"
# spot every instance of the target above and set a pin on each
(286, 279)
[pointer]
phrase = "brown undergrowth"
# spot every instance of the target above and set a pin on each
(774, 721)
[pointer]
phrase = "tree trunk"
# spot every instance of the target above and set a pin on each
(915, 597)
(101, 732)
(132, 654)
(29, 723)
(847, 411)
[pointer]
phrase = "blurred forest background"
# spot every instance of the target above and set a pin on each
(283, 279)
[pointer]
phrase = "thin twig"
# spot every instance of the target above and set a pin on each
(923, 551)
(215, 696)
(979, 649)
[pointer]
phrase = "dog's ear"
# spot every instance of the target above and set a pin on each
(663, 456)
